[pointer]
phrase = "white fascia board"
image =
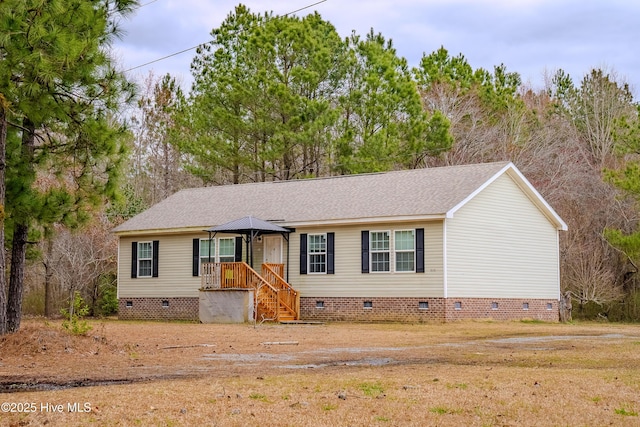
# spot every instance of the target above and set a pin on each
(537, 198)
(488, 182)
(312, 223)
(526, 187)
(371, 220)
(157, 231)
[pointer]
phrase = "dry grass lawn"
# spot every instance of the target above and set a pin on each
(181, 374)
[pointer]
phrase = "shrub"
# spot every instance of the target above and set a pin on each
(74, 317)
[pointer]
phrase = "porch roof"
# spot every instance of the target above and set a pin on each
(248, 225)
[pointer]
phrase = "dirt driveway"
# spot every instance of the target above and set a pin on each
(472, 373)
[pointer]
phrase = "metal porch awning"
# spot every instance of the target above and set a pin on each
(251, 227)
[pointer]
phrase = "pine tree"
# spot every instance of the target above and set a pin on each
(60, 89)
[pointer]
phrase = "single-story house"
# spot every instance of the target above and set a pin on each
(446, 243)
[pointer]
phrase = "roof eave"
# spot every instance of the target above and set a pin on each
(525, 186)
(151, 231)
(368, 220)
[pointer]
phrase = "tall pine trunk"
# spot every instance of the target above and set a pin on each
(48, 282)
(20, 237)
(16, 278)
(3, 261)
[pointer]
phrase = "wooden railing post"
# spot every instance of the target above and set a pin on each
(271, 290)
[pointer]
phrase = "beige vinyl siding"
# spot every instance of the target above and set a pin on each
(349, 281)
(499, 245)
(175, 268)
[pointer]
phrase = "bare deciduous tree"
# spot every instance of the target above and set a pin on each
(78, 259)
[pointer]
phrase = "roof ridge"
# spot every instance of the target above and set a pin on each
(348, 176)
(406, 193)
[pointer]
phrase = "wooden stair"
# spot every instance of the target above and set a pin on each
(286, 315)
(285, 304)
(275, 299)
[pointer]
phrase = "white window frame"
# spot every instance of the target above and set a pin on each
(396, 251)
(205, 257)
(319, 253)
(372, 251)
(149, 258)
(233, 251)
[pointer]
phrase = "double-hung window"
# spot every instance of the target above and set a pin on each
(227, 249)
(145, 259)
(404, 243)
(317, 253)
(380, 257)
(207, 251)
(392, 251)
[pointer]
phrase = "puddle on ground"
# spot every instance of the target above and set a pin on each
(362, 362)
(247, 358)
(48, 386)
(255, 359)
(526, 340)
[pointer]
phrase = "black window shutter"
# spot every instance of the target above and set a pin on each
(154, 262)
(134, 260)
(303, 254)
(419, 250)
(365, 251)
(238, 254)
(196, 257)
(331, 265)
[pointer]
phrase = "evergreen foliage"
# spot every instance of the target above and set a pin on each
(63, 145)
(285, 97)
(282, 97)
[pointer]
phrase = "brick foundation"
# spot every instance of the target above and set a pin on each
(502, 309)
(158, 308)
(333, 309)
(425, 309)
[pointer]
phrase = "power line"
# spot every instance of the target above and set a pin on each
(147, 3)
(202, 44)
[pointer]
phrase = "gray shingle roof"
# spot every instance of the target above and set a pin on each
(417, 192)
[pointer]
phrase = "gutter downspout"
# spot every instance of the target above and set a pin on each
(445, 269)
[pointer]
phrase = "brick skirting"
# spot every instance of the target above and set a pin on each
(502, 309)
(158, 308)
(426, 309)
(363, 309)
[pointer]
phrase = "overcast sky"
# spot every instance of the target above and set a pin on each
(528, 36)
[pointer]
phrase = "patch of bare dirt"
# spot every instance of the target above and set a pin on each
(467, 373)
(43, 356)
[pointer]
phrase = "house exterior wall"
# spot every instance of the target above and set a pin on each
(349, 281)
(175, 268)
(501, 309)
(390, 309)
(500, 249)
(148, 308)
(500, 245)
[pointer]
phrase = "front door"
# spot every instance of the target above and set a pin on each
(273, 249)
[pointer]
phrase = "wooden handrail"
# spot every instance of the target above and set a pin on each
(277, 268)
(287, 295)
(272, 290)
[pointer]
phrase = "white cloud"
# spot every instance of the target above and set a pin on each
(528, 36)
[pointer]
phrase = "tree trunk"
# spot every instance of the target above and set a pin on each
(16, 279)
(20, 237)
(3, 261)
(48, 283)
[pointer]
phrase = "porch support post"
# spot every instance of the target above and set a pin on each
(246, 244)
(210, 238)
(286, 237)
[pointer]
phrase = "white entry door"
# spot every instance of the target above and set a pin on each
(272, 249)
